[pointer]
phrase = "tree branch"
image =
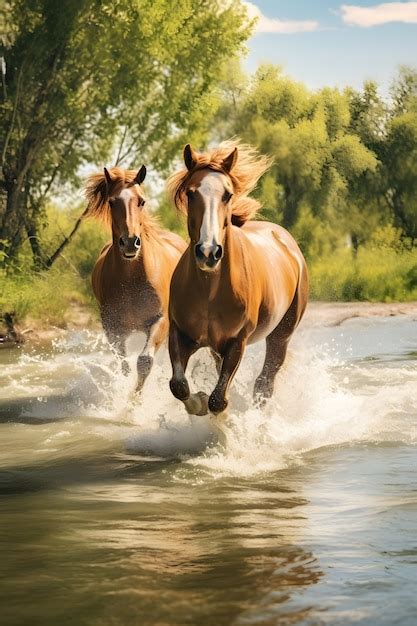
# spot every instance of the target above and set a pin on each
(51, 260)
(121, 146)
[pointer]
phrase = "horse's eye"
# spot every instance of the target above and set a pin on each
(227, 196)
(190, 194)
(141, 201)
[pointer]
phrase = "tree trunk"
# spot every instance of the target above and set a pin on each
(12, 223)
(38, 256)
(290, 208)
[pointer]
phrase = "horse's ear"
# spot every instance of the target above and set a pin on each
(107, 175)
(140, 176)
(190, 157)
(230, 161)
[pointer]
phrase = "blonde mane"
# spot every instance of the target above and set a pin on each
(97, 191)
(249, 167)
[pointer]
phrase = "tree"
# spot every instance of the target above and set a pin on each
(390, 131)
(81, 76)
(316, 155)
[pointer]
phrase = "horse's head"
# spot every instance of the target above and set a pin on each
(126, 202)
(209, 192)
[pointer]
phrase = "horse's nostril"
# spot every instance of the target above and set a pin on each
(218, 253)
(121, 242)
(199, 252)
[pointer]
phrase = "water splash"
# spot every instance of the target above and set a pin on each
(320, 400)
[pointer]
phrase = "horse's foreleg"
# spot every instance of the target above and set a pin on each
(232, 357)
(156, 334)
(180, 350)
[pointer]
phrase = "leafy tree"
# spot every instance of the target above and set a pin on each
(390, 131)
(317, 156)
(85, 79)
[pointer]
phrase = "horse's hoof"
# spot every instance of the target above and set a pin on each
(217, 405)
(180, 389)
(197, 404)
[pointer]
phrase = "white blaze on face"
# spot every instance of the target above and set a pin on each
(126, 195)
(211, 189)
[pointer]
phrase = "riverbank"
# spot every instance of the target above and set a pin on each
(336, 313)
(318, 314)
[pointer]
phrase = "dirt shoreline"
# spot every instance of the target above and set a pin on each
(317, 314)
(336, 313)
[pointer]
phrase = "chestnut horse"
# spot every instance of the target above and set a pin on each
(238, 282)
(132, 274)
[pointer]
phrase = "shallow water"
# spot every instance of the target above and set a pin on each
(123, 512)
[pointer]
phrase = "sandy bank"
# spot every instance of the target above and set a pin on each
(336, 313)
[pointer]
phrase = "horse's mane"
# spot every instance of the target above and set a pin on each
(248, 169)
(98, 192)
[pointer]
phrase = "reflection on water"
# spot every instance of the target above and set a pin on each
(125, 512)
(146, 548)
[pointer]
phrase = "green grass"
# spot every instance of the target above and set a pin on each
(47, 297)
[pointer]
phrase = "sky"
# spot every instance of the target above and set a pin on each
(334, 43)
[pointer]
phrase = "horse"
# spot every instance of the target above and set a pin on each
(238, 282)
(132, 274)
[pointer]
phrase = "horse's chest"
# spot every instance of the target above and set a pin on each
(129, 307)
(212, 324)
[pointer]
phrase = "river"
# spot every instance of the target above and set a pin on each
(119, 511)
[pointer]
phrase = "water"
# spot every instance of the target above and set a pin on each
(123, 512)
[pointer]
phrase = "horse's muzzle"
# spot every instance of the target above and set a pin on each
(208, 258)
(130, 246)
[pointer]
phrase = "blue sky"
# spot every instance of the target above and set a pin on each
(340, 43)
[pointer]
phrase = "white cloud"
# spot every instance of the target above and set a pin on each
(274, 25)
(379, 14)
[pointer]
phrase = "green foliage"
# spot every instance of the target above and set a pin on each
(317, 156)
(170, 218)
(84, 249)
(376, 274)
(88, 80)
(390, 132)
(43, 297)
(49, 296)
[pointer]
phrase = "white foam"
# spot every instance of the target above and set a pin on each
(318, 401)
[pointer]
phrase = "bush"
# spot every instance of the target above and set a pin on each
(47, 296)
(375, 273)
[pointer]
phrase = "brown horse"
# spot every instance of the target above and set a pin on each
(132, 274)
(238, 282)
